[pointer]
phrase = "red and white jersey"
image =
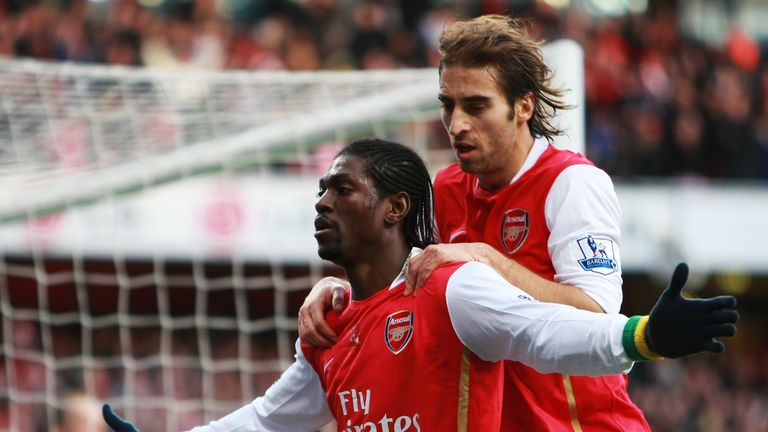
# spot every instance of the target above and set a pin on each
(559, 217)
(430, 362)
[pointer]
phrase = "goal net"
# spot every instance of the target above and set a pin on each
(156, 232)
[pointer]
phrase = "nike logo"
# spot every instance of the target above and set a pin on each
(456, 234)
(328, 363)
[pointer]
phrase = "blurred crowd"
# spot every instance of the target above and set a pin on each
(659, 102)
(706, 393)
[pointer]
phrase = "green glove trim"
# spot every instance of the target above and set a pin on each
(628, 339)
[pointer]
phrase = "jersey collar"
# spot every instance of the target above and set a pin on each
(404, 271)
(539, 146)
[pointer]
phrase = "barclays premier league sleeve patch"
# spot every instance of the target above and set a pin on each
(599, 255)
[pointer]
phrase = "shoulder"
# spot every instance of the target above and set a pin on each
(450, 175)
(466, 273)
(440, 276)
(589, 178)
(560, 159)
(552, 163)
(443, 272)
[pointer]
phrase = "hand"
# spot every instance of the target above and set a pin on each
(421, 266)
(678, 326)
(327, 293)
(115, 422)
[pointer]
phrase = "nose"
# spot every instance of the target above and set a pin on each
(457, 123)
(323, 205)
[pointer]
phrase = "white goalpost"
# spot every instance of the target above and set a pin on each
(156, 235)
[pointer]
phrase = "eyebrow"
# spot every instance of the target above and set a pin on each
(467, 99)
(334, 178)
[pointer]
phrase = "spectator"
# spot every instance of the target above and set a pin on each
(78, 412)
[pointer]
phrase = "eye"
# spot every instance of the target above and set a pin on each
(321, 191)
(475, 107)
(344, 190)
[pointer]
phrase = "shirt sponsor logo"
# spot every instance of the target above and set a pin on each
(403, 423)
(398, 330)
(514, 229)
(599, 255)
(357, 403)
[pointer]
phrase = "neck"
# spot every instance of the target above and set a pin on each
(370, 275)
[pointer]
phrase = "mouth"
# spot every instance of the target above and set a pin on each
(322, 224)
(463, 149)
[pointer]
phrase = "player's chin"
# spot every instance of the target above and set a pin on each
(327, 251)
(469, 165)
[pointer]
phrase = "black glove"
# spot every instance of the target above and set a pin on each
(115, 422)
(679, 327)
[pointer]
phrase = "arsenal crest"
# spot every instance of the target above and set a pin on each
(398, 330)
(514, 229)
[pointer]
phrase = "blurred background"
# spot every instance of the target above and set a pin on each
(676, 111)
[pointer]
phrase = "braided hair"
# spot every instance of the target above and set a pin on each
(395, 168)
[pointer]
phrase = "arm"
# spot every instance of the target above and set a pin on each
(581, 204)
(422, 265)
(295, 402)
(498, 321)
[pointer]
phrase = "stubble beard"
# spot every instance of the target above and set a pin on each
(475, 167)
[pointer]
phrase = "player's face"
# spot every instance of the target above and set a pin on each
(484, 130)
(348, 221)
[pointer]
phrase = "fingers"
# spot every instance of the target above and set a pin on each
(416, 266)
(714, 346)
(677, 282)
(722, 330)
(309, 333)
(313, 329)
(328, 293)
(338, 301)
(720, 302)
(722, 317)
(420, 268)
(320, 325)
(109, 415)
(410, 275)
(114, 421)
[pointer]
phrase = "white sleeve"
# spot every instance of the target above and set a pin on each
(294, 403)
(583, 216)
(496, 321)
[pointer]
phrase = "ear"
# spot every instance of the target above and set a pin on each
(524, 106)
(397, 208)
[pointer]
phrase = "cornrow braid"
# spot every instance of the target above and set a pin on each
(396, 168)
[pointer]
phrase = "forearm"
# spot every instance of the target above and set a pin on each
(495, 321)
(295, 402)
(536, 286)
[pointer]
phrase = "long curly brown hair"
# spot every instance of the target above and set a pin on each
(504, 45)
